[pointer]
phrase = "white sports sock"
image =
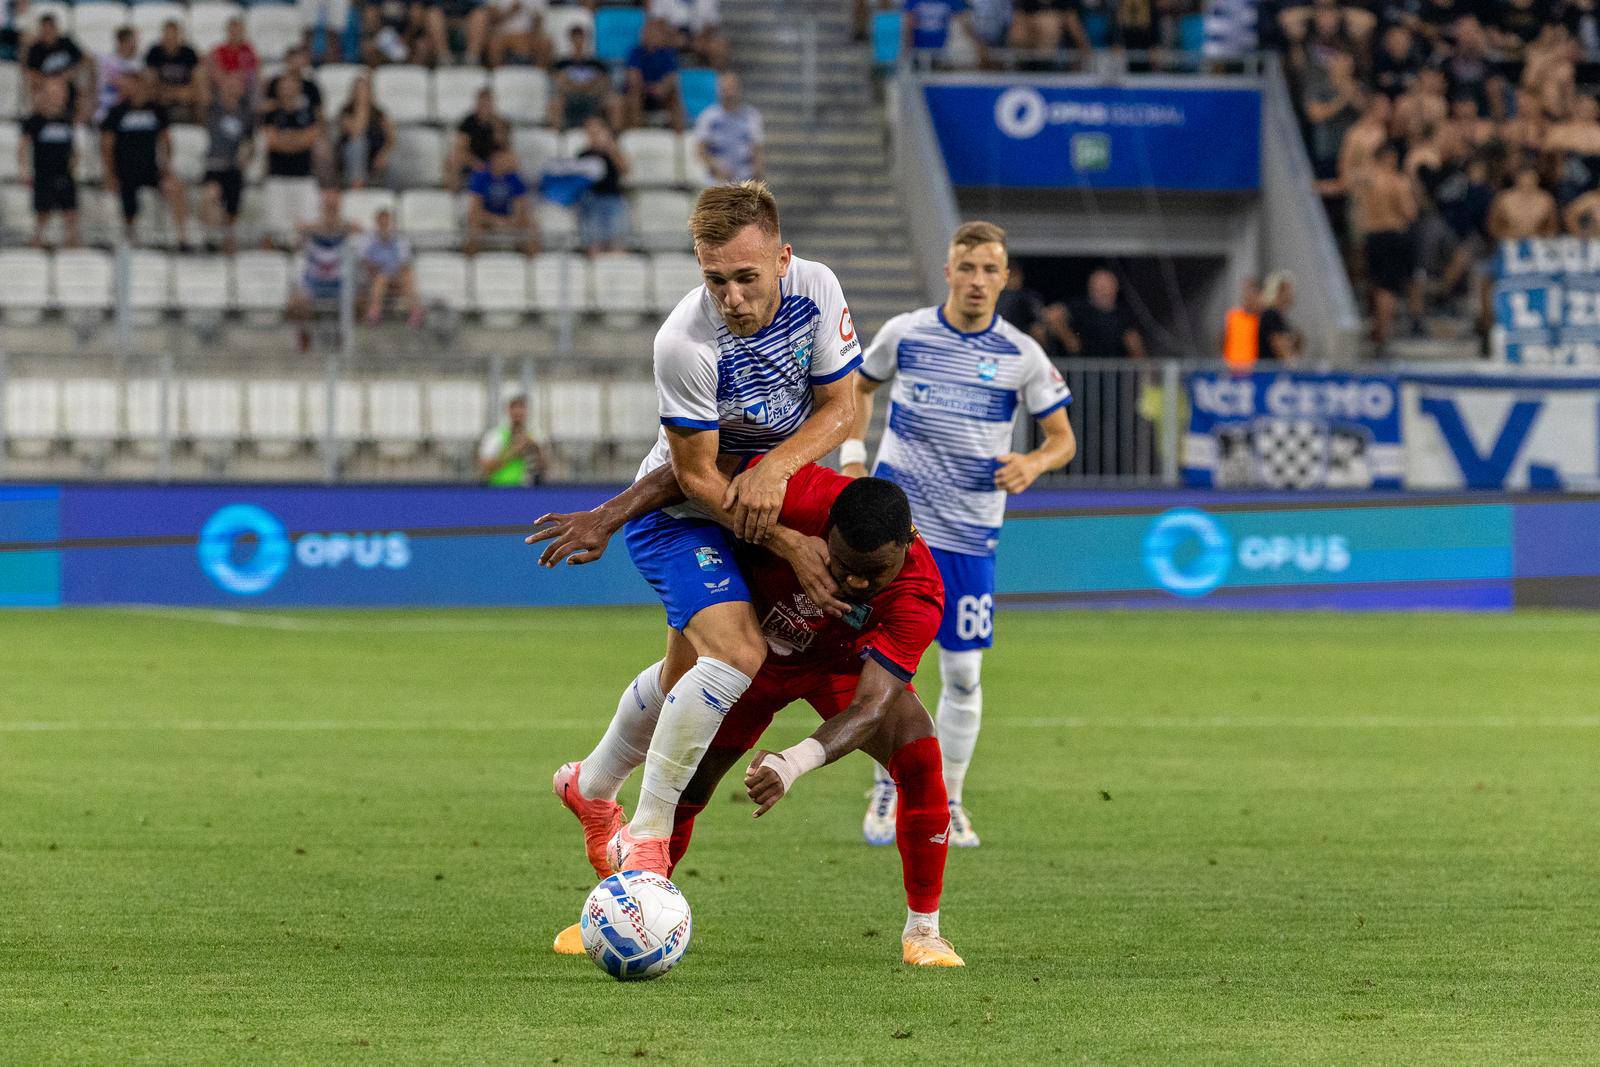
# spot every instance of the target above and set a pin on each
(689, 720)
(626, 740)
(960, 714)
(880, 775)
(921, 918)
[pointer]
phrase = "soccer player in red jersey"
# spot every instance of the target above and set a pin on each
(854, 671)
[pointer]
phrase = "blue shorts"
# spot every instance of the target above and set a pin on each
(688, 562)
(968, 621)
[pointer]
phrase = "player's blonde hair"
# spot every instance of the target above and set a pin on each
(724, 210)
(978, 232)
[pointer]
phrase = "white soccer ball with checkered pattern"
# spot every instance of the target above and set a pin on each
(635, 925)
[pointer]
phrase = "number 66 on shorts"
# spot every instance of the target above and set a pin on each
(968, 621)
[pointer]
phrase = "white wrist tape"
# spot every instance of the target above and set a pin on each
(791, 763)
(853, 450)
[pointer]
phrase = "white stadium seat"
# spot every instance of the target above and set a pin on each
(622, 285)
(261, 283)
(189, 153)
(548, 268)
(335, 80)
(16, 214)
(211, 410)
(691, 169)
(81, 280)
(348, 406)
(521, 94)
(273, 29)
(576, 412)
(150, 16)
(86, 150)
(272, 410)
(10, 135)
(573, 142)
(33, 415)
(200, 285)
(12, 104)
(632, 412)
(558, 226)
(535, 146)
(208, 23)
(149, 284)
(89, 410)
(430, 218)
(394, 416)
(442, 279)
(29, 20)
(141, 398)
(403, 92)
(26, 292)
(558, 23)
(95, 25)
(360, 206)
(457, 411)
(419, 154)
(673, 274)
(659, 217)
(500, 287)
(455, 91)
(654, 155)
(331, 13)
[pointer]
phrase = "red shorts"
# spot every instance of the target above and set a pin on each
(825, 687)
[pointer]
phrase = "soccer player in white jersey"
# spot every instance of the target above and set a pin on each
(960, 372)
(759, 359)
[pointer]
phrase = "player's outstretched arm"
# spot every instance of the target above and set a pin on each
(771, 774)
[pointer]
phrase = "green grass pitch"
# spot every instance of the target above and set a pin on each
(314, 837)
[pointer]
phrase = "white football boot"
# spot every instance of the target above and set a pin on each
(877, 826)
(962, 835)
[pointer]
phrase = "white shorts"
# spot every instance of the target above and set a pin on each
(287, 202)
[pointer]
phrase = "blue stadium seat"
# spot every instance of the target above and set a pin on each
(1097, 24)
(699, 88)
(616, 31)
(1192, 33)
(885, 38)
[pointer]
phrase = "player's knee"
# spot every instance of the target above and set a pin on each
(960, 672)
(746, 650)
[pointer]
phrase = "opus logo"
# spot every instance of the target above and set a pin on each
(245, 549)
(1189, 553)
(1021, 112)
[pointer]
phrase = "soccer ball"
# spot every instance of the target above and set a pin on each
(635, 925)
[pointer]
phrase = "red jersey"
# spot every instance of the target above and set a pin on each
(895, 627)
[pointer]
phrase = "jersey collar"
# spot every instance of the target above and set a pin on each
(939, 311)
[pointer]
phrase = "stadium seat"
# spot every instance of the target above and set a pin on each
(189, 153)
(211, 411)
(141, 401)
(535, 146)
(455, 90)
(659, 218)
(692, 170)
(81, 280)
(632, 412)
(89, 413)
(558, 226)
(404, 93)
(457, 411)
(150, 16)
(86, 148)
(430, 218)
(885, 39)
(577, 416)
(558, 23)
(521, 94)
(394, 416)
(361, 205)
(261, 284)
(16, 214)
(273, 29)
(208, 23)
(1097, 25)
(26, 292)
(1192, 33)
(500, 288)
(335, 80)
(95, 25)
(10, 135)
(272, 411)
(442, 279)
(654, 155)
(571, 142)
(616, 31)
(698, 86)
(149, 285)
(33, 415)
(419, 154)
(330, 14)
(672, 275)
(200, 285)
(348, 406)
(11, 103)
(548, 268)
(622, 287)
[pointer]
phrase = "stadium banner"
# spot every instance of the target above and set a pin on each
(1293, 430)
(1547, 302)
(1100, 137)
(1501, 432)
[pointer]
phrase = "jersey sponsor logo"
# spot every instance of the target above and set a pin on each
(806, 608)
(786, 630)
(847, 325)
(988, 369)
(707, 557)
(978, 403)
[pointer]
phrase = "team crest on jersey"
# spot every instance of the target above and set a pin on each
(856, 618)
(802, 355)
(708, 557)
(988, 368)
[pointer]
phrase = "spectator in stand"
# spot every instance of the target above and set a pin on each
(389, 29)
(45, 158)
(695, 27)
(113, 70)
(498, 204)
(386, 257)
(469, 17)
(1332, 103)
(653, 78)
(292, 130)
(10, 39)
(1524, 210)
(508, 458)
(729, 137)
(582, 87)
(1277, 338)
(136, 153)
(297, 65)
(603, 211)
(230, 144)
(1095, 327)
(176, 66)
(235, 55)
(1241, 329)
(1019, 305)
(1386, 210)
(1045, 25)
(516, 33)
(54, 55)
(926, 31)
(478, 137)
(322, 267)
(366, 138)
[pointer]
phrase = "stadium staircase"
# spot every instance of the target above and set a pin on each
(832, 175)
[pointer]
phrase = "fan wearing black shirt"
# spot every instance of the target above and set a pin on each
(477, 138)
(136, 151)
(44, 160)
(174, 63)
(582, 87)
(54, 55)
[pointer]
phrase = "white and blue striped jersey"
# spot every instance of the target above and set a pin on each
(755, 391)
(951, 413)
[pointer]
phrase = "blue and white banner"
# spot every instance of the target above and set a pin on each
(1547, 302)
(1293, 431)
(1101, 137)
(1501, 432)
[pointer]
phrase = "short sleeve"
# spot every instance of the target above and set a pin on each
(882, 357)
(837, 351)
(909, 626)
(686, 383)
(1043, 389)
(809, 497)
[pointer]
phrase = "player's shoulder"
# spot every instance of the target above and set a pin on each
(688, 328)
(808, 277)
(919, 577)
(1026, 346)
(907, 321)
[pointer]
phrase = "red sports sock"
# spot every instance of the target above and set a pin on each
(682, 830)
(922, 821)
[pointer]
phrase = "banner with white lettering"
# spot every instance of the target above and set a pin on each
(1547, 302)
(1293, 430)
(1501, 432)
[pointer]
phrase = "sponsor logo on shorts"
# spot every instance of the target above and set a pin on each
(719, 587)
